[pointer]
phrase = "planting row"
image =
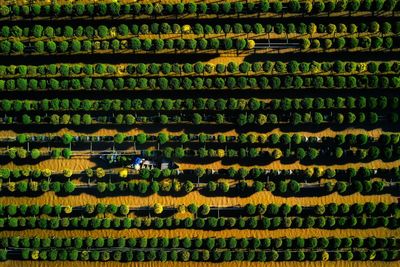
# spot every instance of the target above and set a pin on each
(198, 255)
(89, 210)
(197, 83)
(201, 45)
(349, 43)
(203, 104)
(341, 142)
(272, 140)
(316, 173)
(325, 118)
(316, 243)
(124, 31)
(210, 223)
(306, 153)
(144, 188)
(183, 9)
(176, 69)
(135, 44)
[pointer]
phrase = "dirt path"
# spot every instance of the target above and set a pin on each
(196, 197)
(292, 233)
(56, 164)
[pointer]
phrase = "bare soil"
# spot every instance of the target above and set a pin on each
(196, 197)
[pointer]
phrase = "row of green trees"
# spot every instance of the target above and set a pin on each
(42, 186)
(136, 44)
(6, 173)
(90, 210)
(309, 222)
(361, 173)
(276, 180)
(240, 119)
(201, 255)
(124, 30)
(370, 242)
(22, 153)
(304, 152)
(205, 83)
(143, 188)
(273, 139)
(350, 43)
(140, 45)
(136, 9)
(206, 255)
(308, 103)
(300, 153)
(176, 69)
(202, 104)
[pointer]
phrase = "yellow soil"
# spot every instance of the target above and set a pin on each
(196, 197)
(57, 164)
(226, 59)
(102, 132)
(292, 233)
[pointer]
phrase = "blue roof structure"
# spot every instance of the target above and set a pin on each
(136, 161)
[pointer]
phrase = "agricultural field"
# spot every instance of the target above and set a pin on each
(204, 133)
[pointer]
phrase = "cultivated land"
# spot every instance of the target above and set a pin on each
(278, 121)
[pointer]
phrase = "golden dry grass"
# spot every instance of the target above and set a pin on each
(280, 233)
(196, 197)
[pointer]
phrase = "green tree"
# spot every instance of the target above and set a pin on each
(35, 153)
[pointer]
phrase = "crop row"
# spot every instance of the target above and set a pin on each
(135, 44)
(223, 255)
(322, 222)
(123, 31)
(190, 45)
(325, 118)
(258, 174)
(341, 142)
(267, 210)
(272, 140)
(349, 43)
(144, 188)
(183, 9)
(202, 104)
(210, 243)
(199, 255)
(370, 153)
(40, 179)
(198, 83)
(198, 68)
